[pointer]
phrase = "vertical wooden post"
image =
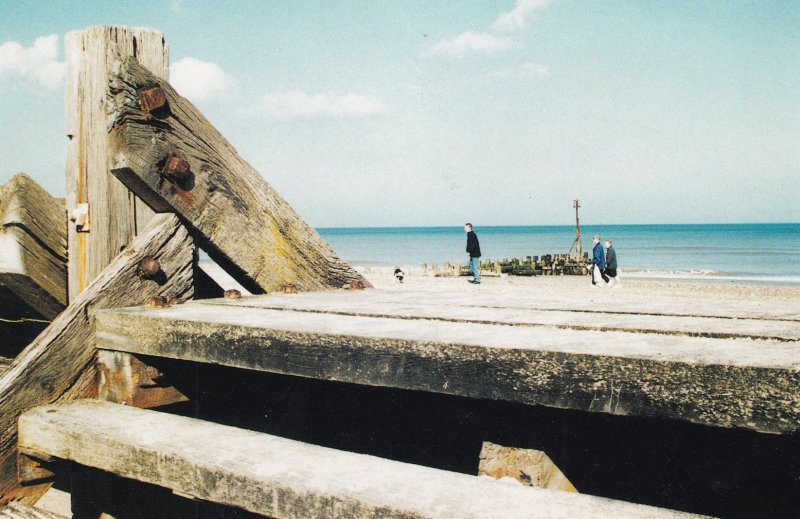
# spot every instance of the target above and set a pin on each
(115, 214)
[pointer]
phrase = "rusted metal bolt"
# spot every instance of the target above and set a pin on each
(354, 285)
(289, 288)
(152, 99)
(157, 302)
(232, 294)
(176, 167)
(149, 267)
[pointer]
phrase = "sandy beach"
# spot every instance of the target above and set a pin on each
(709, 291)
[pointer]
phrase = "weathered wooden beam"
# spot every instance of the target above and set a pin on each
(283, 478)
(59, 364)
(742, 383)
(33, 246)
(114, 215)
(20, 511)
(175, 160)
(411, 304)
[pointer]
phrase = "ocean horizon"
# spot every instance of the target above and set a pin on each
(767, 253)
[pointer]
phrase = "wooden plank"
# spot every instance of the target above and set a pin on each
(283, 478)
(33, 251)
(577, 296)
(20, 511)
(246, 227)
(416, 305)
(743, 383)
(59, 364)
(115, 215)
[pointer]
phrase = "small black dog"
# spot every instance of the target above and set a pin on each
(398, 275)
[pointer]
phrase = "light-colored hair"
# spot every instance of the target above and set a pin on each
(596, 237)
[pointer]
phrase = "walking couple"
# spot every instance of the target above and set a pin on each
(604, 263)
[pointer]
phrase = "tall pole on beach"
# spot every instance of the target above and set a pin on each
(577, 243)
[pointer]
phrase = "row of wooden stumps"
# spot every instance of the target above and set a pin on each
(547, 265)
(135, 148)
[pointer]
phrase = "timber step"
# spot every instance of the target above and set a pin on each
(278, 477)
(668, 367)
(20, 511)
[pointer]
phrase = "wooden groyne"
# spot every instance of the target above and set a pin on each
(244, 383)
(547, 265)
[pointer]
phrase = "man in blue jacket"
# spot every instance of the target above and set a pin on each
(598, 261)
(474, 253)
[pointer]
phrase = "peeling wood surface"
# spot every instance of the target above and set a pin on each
(245, 225)
(529, 467)
(115, 214)
(124, 379)
(284, 478)
(747, 383)
(33, 246)
(59, 363)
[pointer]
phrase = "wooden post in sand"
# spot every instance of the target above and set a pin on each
(104, 215)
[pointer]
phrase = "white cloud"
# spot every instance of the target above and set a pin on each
(38, 62)
(535, 69)
(518, 17)
(524, 70)
(295, 104)
(199, 80)
(467, 42)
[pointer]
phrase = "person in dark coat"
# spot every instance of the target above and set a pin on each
(598, 262)
(474, 253)
(611, 264)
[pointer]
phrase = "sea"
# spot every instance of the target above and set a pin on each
(761, 253)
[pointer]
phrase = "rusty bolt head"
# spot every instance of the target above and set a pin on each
(152, 99)
(354, 285)
(149, 267)
(157, 302)
(176, 167)
(232, 294)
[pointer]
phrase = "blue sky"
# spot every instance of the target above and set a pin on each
(379, 113)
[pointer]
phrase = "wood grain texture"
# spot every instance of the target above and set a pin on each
(59, 363)
(33, 245)
(115, 214)
(245, 225)
(20, 511)
(738, 383)
(283, 478)
(124, 379)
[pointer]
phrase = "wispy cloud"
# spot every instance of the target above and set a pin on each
(524, 70)
(518, 17)
(295, 104)
(199, 80)
(469, 42)
(38, 62)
